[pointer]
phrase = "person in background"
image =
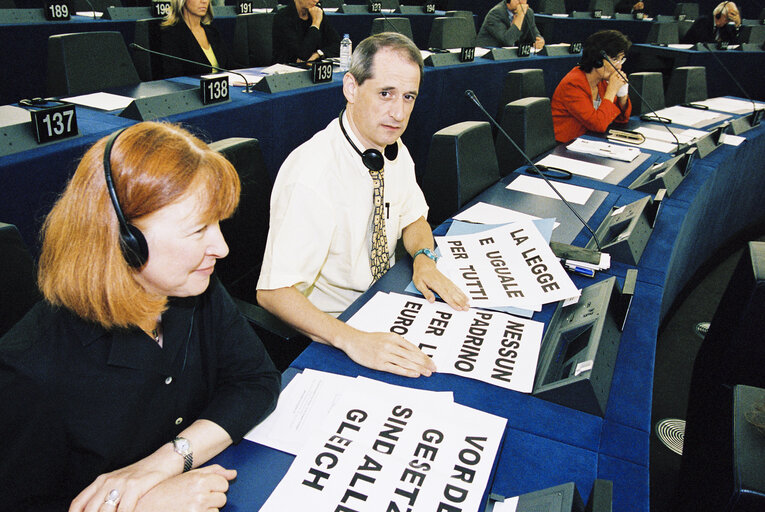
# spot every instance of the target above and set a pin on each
(336, 215)
(594, 94)
(722, 26)
(302, 33)
(509, 24)
(137, 367)
(187, 32)
(631, 6)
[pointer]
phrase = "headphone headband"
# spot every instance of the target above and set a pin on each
(132, 242)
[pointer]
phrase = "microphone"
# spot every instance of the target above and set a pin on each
(681, 148)
(93, 9)
(754, 116)
(471, 95)
(208, 65)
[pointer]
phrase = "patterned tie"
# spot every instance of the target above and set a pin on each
(379, 255)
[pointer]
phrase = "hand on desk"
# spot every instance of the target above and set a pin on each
(199, 490)
(539, 43)
(429, 280)
(388, 352)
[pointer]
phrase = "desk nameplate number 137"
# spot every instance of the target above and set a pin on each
(54, 123)
(214, 88)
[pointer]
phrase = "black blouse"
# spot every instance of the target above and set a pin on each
(178, 40)
(295, 39)
(78, 401)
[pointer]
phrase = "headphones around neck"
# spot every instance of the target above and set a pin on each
(132, 242)
(372, 159)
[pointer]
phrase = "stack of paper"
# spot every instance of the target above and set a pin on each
(383, 447)
(511, 265)
(604, 149)
(489, 346)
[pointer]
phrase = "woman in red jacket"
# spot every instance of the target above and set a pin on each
(593, 95)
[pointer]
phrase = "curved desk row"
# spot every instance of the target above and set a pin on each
(31, 180)
(547, 444)
(25, 45)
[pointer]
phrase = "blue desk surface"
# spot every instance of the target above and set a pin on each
(547, 444)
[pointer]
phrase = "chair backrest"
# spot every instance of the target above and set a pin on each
(147, 34)
(522, 83)
(332, 4)
(752, 34)
(461, 164)
(664, 33)
(392, 24)
(687, 84)
(467, 15)
(451, 32)
(18, 288)
(247, 230)
(529, 122)
(552, 6)
(605, 6)
(253, 39)
(690, 9)
(650, 85)
(7, 4)
(87, 62)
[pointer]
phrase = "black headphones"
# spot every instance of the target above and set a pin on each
(132, 242)
(373, 159)
(719, 14)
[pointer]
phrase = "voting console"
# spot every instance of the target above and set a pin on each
(579, 349)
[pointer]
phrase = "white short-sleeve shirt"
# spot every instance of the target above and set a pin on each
(320, 233)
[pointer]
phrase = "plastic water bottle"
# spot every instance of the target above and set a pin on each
(346, 47)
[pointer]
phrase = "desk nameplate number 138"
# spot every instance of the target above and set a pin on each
(54, 123)
(214, 88)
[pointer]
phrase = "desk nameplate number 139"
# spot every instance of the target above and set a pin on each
(321, 72)
(54, 123)
(214, 88)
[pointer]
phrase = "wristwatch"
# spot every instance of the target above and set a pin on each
(427, 252)
(182, 447)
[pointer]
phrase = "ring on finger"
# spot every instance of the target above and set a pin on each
(112, 498)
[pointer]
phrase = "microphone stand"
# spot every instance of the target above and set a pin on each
(754, 116)
(681, 148)
(208, 65)
(471, 95)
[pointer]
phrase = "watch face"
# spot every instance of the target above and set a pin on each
(181, 446)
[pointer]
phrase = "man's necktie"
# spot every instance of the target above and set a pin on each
(379, 256)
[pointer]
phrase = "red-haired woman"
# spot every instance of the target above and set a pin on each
(136, 368)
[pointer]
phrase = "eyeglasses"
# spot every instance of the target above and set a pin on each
(619, 62)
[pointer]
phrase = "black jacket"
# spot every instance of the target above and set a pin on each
(178, 40)
(78, 400)
(704, 30)
(295, 39)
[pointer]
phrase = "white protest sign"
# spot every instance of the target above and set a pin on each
(511, 265)
(389, 453)
(489, 346)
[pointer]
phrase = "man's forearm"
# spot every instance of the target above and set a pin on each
(294, 308)
(417, 235)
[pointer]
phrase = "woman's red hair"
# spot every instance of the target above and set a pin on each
(153, 165)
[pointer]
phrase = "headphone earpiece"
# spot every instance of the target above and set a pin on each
(371, 158)
(135, 250)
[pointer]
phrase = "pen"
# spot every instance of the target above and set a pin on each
(582, 271)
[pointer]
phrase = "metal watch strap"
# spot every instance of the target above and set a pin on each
(188, 456)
